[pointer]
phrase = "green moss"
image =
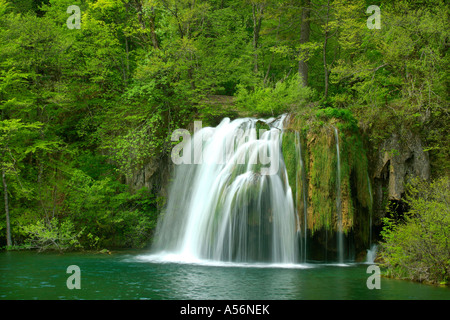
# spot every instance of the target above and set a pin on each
(320, 159)
(290, 158)
(348, 120)
(292, 142)
(322, 177)
(260, 125)
(358, 176)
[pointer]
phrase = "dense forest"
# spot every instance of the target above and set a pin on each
(88, 100)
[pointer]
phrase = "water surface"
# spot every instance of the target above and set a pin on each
(134, 275)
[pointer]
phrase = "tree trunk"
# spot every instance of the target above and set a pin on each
(138, 7)
(257, 19)
(152, 29)
(325, 67)
(127, 64)
(8, 225)
(304, 38)
(273, 54)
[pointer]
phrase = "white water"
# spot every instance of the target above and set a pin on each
(166, 257)
(340, 234)
(371, 254)
(371, 210)
(302, 179)
(228, 209)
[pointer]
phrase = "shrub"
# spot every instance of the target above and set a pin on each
(109, 214)
(52, 234)
(417, 248)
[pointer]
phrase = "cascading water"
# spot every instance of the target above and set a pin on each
(234, 203)
(371, 254)
(340, 234)
(369, 187)
(302, 179)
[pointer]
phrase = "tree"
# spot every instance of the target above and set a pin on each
(305, 30)
(325, 41)
(12, 151)
(257, 15)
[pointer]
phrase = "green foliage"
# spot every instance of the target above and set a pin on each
(396, 74)
(108, 214)
(286, 96)
(417, 248)
(349, 121)
(52, 235)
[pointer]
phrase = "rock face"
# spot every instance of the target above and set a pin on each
(154, 175)
(399, 158)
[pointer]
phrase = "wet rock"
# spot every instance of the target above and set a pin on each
(396, 160)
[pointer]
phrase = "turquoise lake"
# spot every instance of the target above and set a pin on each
(135, 275)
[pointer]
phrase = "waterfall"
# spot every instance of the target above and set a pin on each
(371, 254)
(304, 186)
(369, 187)
(340, 234)
(234, 203)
